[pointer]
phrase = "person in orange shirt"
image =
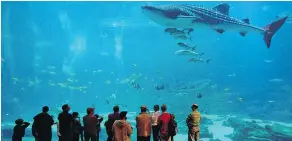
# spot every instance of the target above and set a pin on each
(143, 125)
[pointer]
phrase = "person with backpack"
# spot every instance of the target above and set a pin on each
(193, 123)
(172, 127)
(163, 123)
(109, 123)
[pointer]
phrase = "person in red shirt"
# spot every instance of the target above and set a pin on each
(163, 121)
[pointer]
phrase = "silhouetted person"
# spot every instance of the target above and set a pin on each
(76, 127)
(109, 123)
(90, 122)
(42, 125)
(155, 128)
(172, 129)
(19, 130)
(65, 124)
(100, 119)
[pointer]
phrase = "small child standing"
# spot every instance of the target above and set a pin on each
(77, 128)
(100, 119)
(19, 129)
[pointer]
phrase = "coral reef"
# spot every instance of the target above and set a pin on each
(253, 131)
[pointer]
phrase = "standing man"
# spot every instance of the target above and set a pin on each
(90, 122)
(193, 123)
(122, 129)
(65, 124)
(109, 123)
(143, 125)
(42, 125)
(155, 128)
(163, 122)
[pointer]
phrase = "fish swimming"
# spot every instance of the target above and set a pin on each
(217, 18)
(187, 52)
(186, 46)
(179, 34)
(174, 31)
(199, 60)
(181, 37)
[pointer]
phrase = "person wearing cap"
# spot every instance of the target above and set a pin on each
(163, 121)
(155, 128)
(65, 124)
(90, 122)
(109, 123)
(19, 129)
(143, 125)
(193, 123)
(122, 129)
(42, 125)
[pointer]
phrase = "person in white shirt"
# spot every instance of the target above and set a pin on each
(155, 128)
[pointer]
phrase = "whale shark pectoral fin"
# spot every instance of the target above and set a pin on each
(222, 8)
(243, 33)
(246, 21)
(220, 30)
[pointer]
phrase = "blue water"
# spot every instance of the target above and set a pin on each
(51, 49)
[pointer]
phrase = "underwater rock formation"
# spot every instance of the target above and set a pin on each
(253, 131)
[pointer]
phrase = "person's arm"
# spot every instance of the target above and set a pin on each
(51, 120)
(84, 121)
(147, 111)
(188, 121)
(58, 129)
(25, 124)
(59, 117)
(96, 121)
(100, 119)
(159, 123)
(113, 129)
(137, 122)
(130, 129)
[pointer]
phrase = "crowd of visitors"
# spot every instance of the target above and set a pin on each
(161, 125)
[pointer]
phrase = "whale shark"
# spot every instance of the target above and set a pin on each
(216, 18)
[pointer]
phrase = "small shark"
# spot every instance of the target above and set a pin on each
(217, 18)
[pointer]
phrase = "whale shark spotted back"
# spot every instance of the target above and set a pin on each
(216, 18)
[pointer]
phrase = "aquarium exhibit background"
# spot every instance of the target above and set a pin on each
(89, 53)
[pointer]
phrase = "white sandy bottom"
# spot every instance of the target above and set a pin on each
(219, 131)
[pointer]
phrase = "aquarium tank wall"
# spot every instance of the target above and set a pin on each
(233, 59)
